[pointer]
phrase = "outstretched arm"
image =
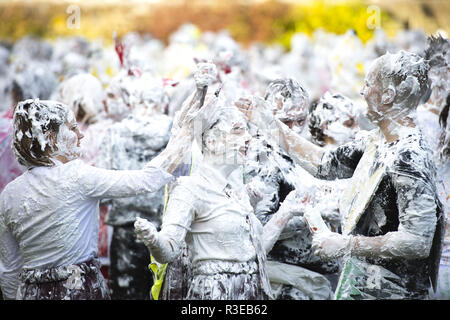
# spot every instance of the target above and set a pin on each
(302, 151)
(413, 240)
(166, 245)
(291, 207)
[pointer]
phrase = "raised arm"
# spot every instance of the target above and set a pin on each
(178, 149)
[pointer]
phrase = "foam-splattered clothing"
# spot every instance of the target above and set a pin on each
(59, 283)
(443, 183)
(215, 218)
(405, 201)
(274, 175)
(49, 215)
(129, 145)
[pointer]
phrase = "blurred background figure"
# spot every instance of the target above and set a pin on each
(136, 101)
(333, 120)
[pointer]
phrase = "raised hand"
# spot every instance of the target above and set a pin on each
(204, 76)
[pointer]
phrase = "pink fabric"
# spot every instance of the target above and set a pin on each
(10, 168)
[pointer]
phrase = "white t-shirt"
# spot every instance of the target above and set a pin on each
(49, 215)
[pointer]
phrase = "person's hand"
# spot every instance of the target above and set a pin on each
(254, 192)
(145, 231)
(245, 106)
(296, 202)
(259, 114)
(205, 74)
(187, 113)
(331, 245)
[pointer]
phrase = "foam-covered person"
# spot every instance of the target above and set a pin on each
(210, 212)
(49, 215)
(438, 55)
(443, 290)
(270, 175)
(139, 100)
(433, 120)
(84, 93)
(392, 219)
(333, 120)
(23, 81)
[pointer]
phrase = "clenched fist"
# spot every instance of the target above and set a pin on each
(145, 231)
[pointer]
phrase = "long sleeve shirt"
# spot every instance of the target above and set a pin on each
(129, 145)
(49, 215)
(203, 213)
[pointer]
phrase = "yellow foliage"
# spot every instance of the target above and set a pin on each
(335, 18)
(264, 21)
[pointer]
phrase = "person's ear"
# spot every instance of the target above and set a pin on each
(388, 95)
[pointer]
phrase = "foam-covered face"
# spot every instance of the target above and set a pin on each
(84, 94)
(372, 92)
(288, 102)
(227, 140)
(68, 139)
(144, 95)
(335, 116)
(117, 107)
(395, 85)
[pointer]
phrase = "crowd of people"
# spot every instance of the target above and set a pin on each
(200, 169)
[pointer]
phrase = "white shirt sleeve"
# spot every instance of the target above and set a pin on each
(11, 260)
(103, 183)
(177, 222)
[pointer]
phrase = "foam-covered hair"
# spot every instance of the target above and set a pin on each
(437, 51)
(329, 110)
(288, 89)
(407, 72)
(36, 125)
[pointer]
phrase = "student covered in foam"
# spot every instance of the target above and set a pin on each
(392, 218)
(434, 121)
(49, 215)
(139, 134)
(210, 212)
(270, 175)
(333, 120)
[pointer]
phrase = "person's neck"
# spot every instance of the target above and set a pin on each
(62, 159)
(217, 163)
(389, 127)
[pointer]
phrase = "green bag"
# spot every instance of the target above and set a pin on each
(360, 280)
